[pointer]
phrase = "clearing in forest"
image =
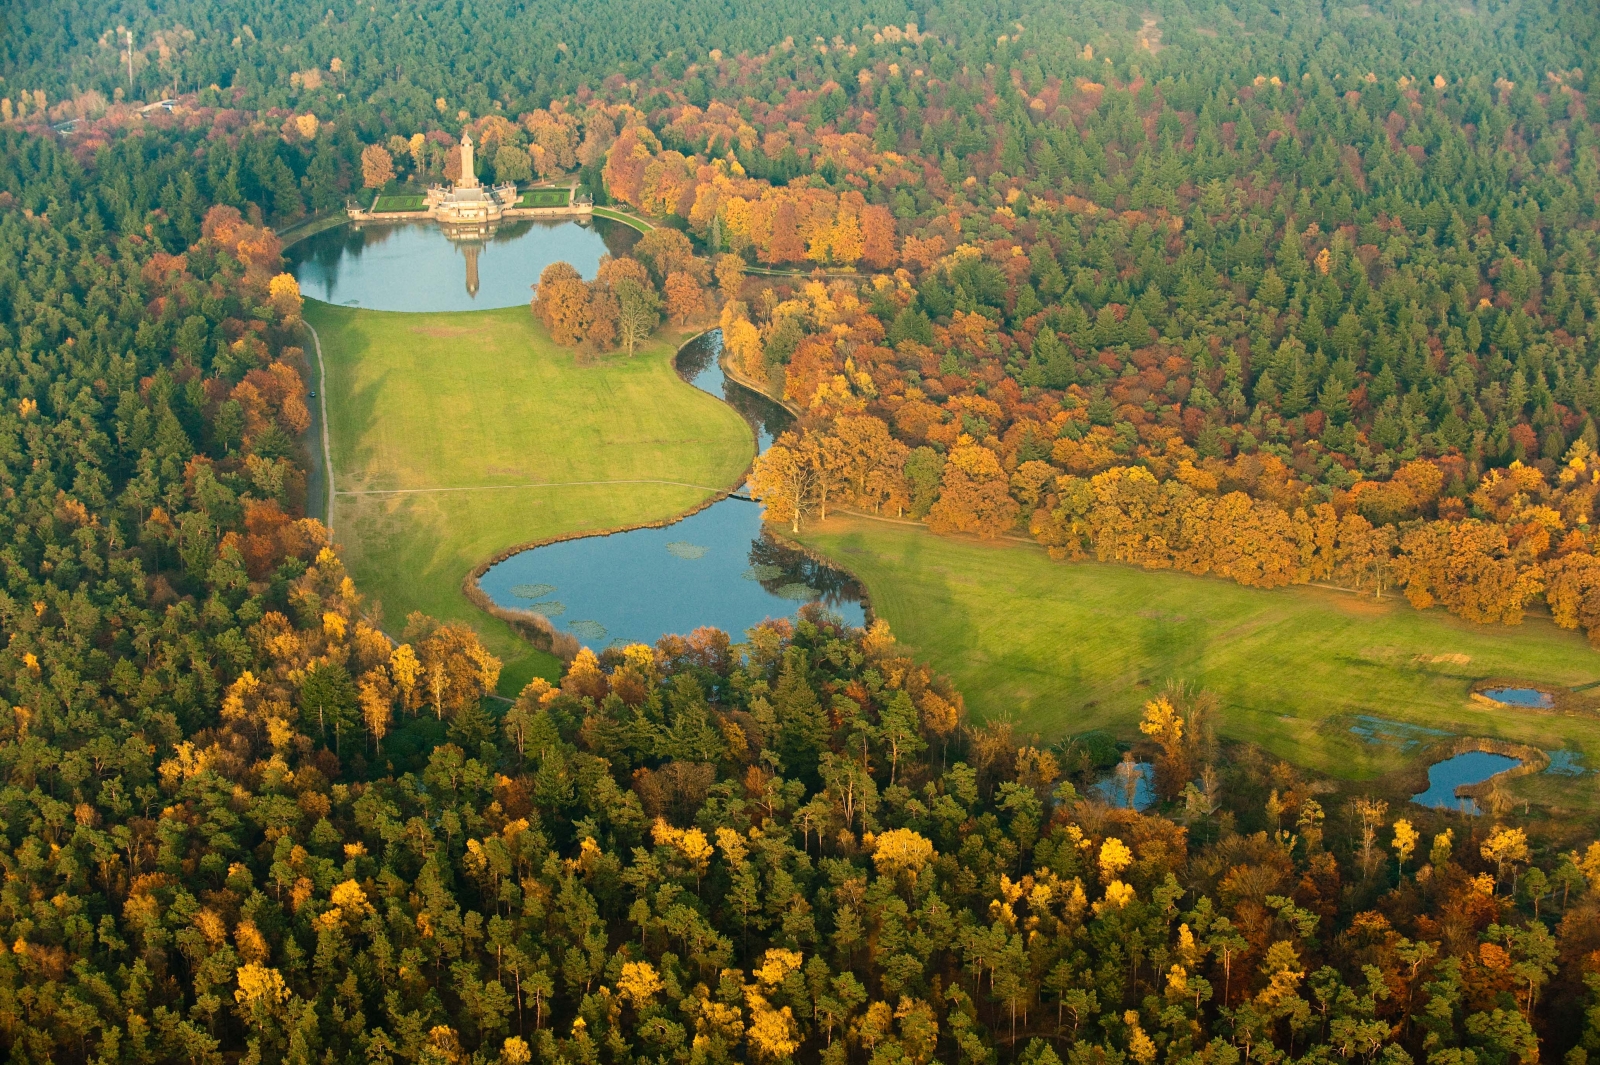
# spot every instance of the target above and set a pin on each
(1064, 648)
(456, 436)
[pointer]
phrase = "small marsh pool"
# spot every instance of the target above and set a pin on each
(1532, 698)
(1470, 767)
(719, 567)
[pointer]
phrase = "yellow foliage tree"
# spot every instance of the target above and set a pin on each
(1506, 848)
(283, 292)
(639, 983)
(742, 341)
(974, 495)
(1114, 858)
(1405, 841)
(407, 669)
(902, 850)
(772, 1033)
(349, 897)
(784, 478)
(260, 986)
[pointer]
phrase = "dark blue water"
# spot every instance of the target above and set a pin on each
(1472, 767)
(718, 567)
(1530, 697)
(417, 266)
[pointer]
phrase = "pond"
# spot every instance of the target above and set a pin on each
(417, 266)
(719, 567)
(1532, 698)
(1470, 767)
(1114, 789)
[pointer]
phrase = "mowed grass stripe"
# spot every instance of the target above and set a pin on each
(1063, 648)
(476, 400)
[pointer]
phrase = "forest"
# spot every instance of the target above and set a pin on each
(1282, 295)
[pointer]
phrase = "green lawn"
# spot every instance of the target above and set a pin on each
(545, 198)
(399, 203)
(1064, 648)
(422, 406)
(626, 219)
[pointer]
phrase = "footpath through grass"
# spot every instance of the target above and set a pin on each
(441, 423)
(1064, 648)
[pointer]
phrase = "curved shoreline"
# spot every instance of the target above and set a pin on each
(1565, 701)
(1530, 760)
(539, 630)
(537, 621)
(750, 384)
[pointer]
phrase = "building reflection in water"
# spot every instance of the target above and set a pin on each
(470, 240)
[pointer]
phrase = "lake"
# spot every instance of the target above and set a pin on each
(719, 567)
(415, 266)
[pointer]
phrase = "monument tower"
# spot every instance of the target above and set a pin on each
(467, 203)
(469, 176)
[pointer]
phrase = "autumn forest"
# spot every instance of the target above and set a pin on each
(1303, 295)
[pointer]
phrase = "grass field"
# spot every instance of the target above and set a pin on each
(545, 198)
(441, 422)
(399, 203)
(1066, 648)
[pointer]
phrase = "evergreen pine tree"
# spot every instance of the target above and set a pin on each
(802, 725)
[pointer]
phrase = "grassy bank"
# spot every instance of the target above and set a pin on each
(626, 219)
(1065, 648)
(456, 436)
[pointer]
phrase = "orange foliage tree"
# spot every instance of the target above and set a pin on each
(685, 298)
(784, 478)
(1467, 567)
(377, 166)
(562, 304)
(973, 496)
(877, 237)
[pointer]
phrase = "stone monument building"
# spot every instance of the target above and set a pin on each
(467, 203)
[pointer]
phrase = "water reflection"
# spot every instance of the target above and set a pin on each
(699, 364)
(1130, 786)
(719, 567)
(421, 266)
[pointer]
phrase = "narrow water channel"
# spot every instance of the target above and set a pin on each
(719, 567)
